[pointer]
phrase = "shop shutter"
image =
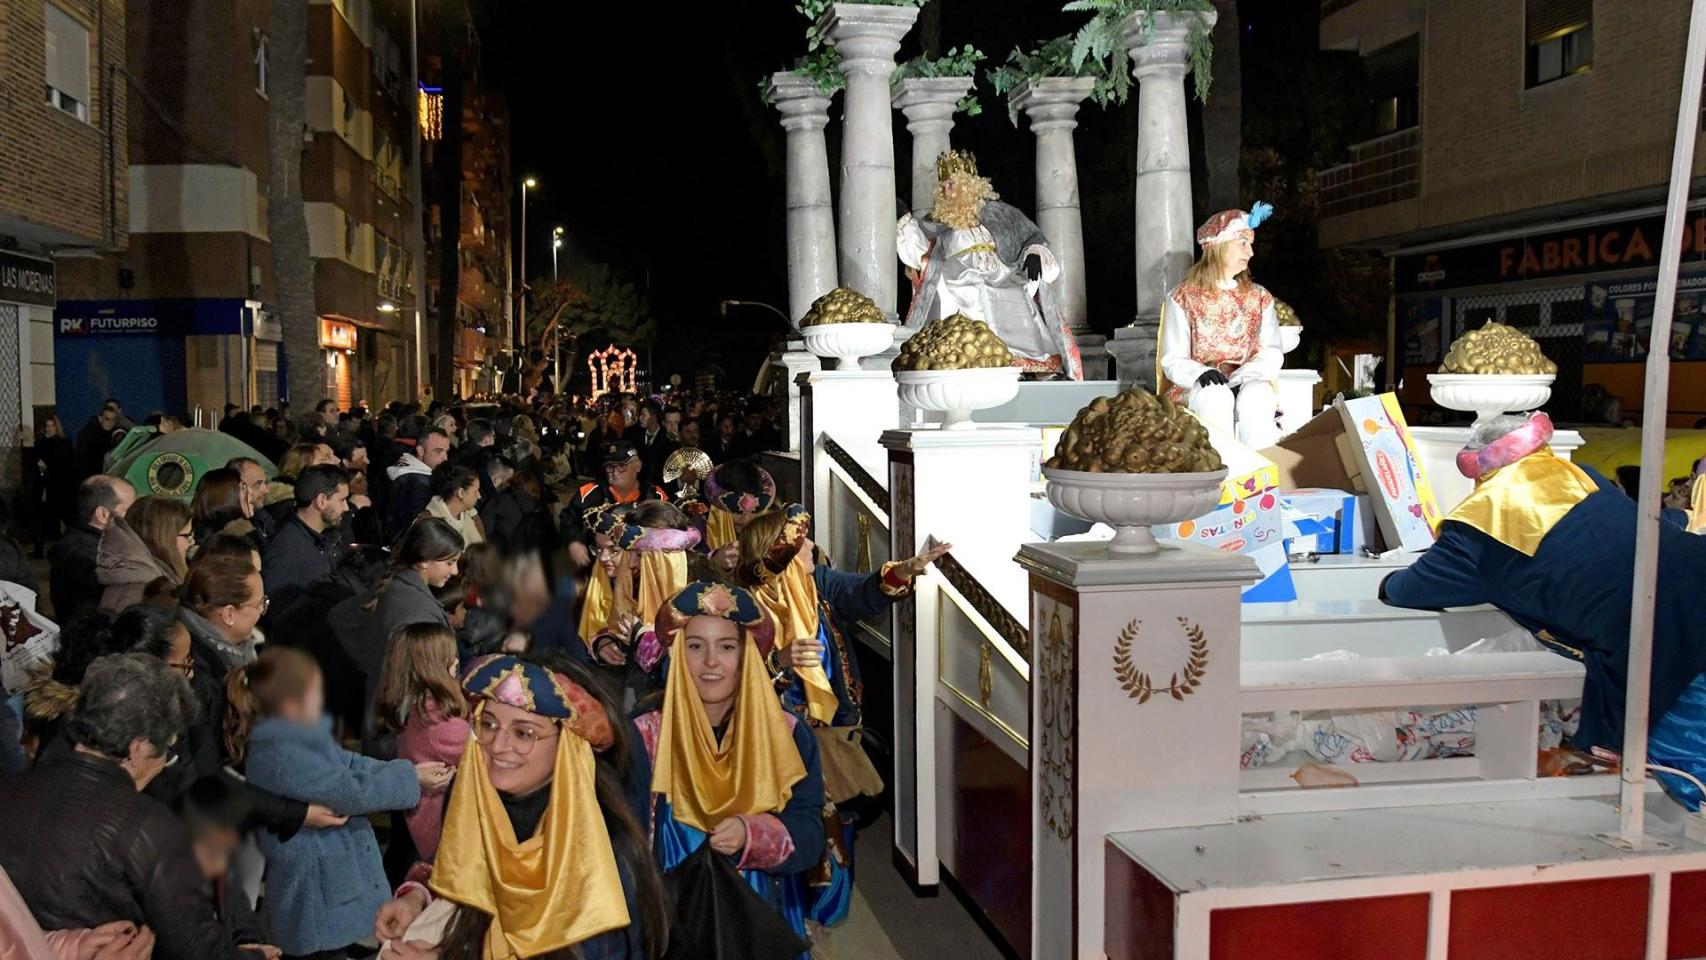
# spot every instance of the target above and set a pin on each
(1548, 18)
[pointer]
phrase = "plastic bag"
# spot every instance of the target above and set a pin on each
(1679, 740)
(1264, 739)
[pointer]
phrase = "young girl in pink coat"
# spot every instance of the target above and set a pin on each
(421, 701)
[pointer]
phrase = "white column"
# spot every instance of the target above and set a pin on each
(866, 36)
(811, 219)
(931, 493)
(852, 407)
(928, 104)
(1165, 239)
(1104, 757)
(1052, 105)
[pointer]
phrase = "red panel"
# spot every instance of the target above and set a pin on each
(992, 811)
(1687, 915)
(1604, 919)
(1376, 928)
(1139, 911)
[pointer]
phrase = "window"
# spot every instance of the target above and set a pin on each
(67, 63)
(261, 64)
(1560, 39)
(1392, 78)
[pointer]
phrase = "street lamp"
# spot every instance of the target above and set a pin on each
(556, 244)
(726, 304)
(520, 329)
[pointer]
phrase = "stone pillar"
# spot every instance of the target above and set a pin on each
(866, 37)
(1052, 105)
(1121, 645)
(811, 220)
(929, 104)
(796, 362)
(1165, 238)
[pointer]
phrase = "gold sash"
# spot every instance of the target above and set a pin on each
(719, 528)
(791, 600)
(598, 606)
(752, 771)
(1518, 505)
(552, 891)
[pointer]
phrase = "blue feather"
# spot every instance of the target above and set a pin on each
(1259, 211)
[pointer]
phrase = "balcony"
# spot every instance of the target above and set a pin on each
(1381, 171)
(1330, 7)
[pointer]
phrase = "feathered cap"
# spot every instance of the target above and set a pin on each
(702, 598)
(1227, 224)
(741, 487)
(528, 686)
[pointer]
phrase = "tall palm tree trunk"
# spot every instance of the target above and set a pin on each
(287, 220)
(449, 191)
(1223, 115)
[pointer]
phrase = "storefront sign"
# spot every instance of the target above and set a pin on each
(175, 317)
(1624, 245)
(1617, 320)
(27, 280)
(337, 334)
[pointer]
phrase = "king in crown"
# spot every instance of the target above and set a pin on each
(974, 255)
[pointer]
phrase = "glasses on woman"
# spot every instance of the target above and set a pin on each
(185, 667)
(262, 604)
(188, 536)
(523, 737)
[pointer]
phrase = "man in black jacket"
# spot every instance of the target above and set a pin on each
(654, 443)
(83, 845)
(410, 478)
(72, 585)
(306, 547)
(93, 442)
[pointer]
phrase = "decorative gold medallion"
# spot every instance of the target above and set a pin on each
(1184, 681)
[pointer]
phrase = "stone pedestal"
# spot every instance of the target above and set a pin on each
(866, 37)
(1093, 347)
(1166, 240)
(1134, 715)
(1133, 351)
(797, 362)
(852, 407)
(928, 104)
(1052, 105)
(811, 219)
(971, 489)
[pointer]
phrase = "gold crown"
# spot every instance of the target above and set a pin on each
(955, 162)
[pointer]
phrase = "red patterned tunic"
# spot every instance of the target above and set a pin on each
(1226, 326)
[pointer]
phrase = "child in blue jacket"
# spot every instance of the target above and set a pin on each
(323, 887)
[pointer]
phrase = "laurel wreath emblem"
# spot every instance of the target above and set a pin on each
(1184, 681)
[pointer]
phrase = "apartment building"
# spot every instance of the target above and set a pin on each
(180, 320)
(64, 149)
(1514, 169)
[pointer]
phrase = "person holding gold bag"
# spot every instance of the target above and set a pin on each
(731, 769)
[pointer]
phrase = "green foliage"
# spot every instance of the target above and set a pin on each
(1054, 59)
(1101, 41)
(957, 62)
(813, 10)
(597, 302)
(821, 66)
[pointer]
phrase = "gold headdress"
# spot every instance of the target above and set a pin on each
(960, 191)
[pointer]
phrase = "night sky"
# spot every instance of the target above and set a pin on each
(644, 124)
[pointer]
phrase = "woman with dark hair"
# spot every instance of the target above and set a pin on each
(50, 478)
(518, 518)
(232, 545)
(150, 543)
(52, 690)
(542, 853)
(426, 555)
(221, 505)
(455, 494)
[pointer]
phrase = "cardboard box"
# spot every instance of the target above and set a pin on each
(1321, 521)
(1251, 526)
(1364, 445)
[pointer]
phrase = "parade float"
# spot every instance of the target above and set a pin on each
(1209, 738)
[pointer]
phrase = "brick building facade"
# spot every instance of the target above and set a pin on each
(64, 151)
(1517, 155)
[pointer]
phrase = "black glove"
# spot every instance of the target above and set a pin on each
(1033, 267)
(1211, 378)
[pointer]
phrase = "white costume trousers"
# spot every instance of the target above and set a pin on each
(1247, 413)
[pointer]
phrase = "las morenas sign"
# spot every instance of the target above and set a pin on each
(1627, 245)
(27, 280)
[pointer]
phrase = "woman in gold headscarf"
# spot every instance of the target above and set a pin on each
(541, 853)
(730, 768)
(642, 562)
